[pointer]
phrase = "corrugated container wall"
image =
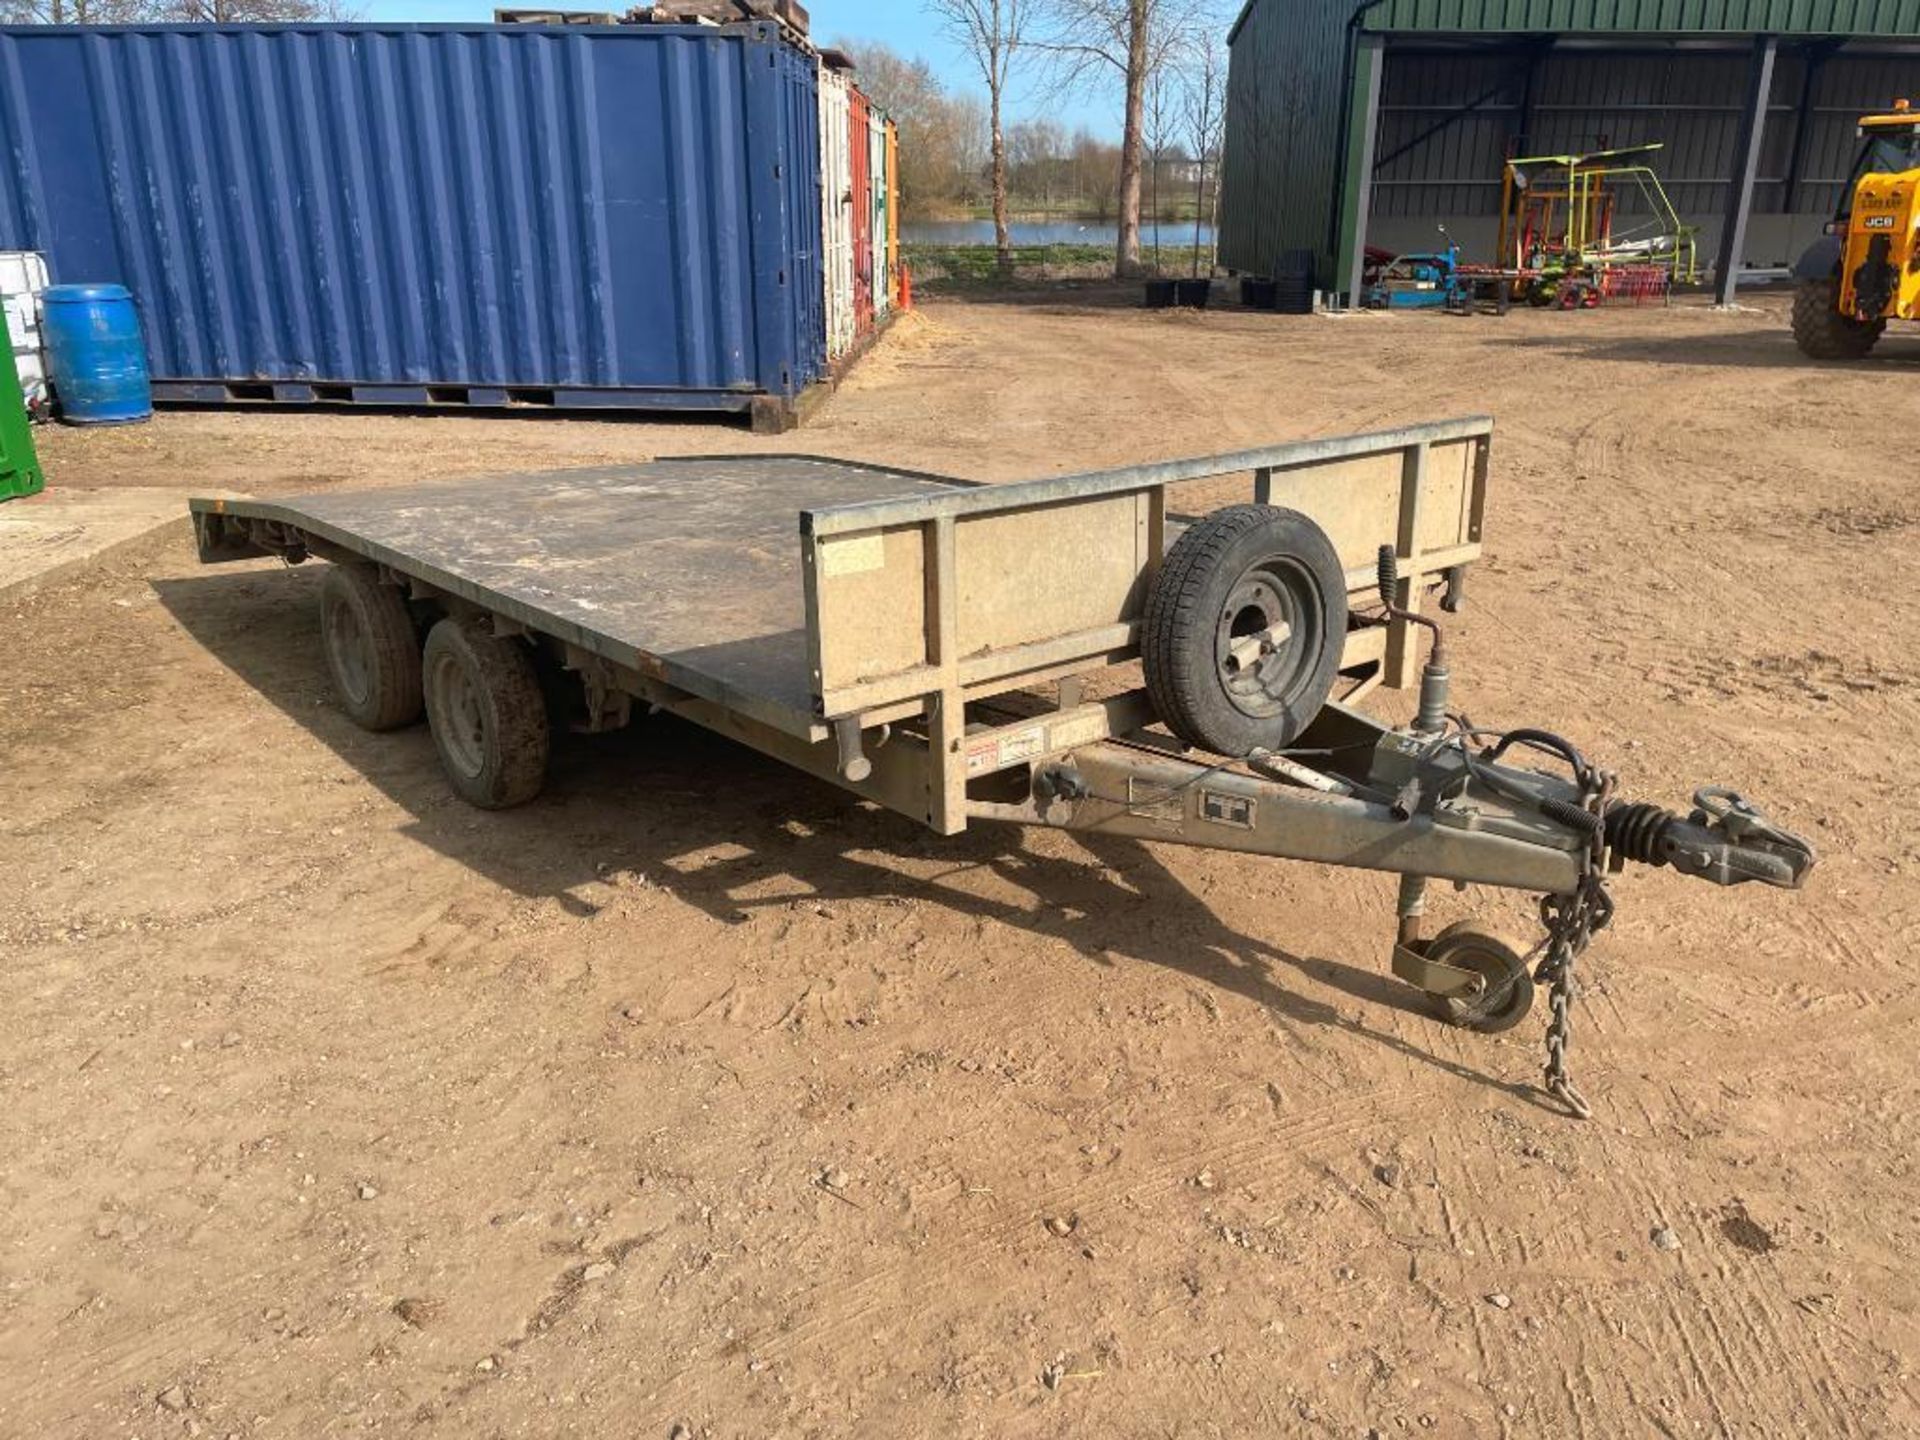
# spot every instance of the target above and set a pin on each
(877, 171)
(895, 265)
(859, 122)
(836, 195)
(622, 216)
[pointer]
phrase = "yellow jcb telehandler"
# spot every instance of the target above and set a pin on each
(1865, 270)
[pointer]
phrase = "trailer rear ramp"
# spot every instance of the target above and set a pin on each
(923, 642)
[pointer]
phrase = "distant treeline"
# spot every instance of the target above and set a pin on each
(1051, 170)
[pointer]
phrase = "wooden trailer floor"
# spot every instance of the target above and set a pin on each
(687, 566)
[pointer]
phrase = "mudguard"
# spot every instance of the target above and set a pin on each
(1821, 260)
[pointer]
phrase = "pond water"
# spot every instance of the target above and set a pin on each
(1044, 232)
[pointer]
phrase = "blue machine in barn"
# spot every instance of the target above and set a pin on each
(1430, 281)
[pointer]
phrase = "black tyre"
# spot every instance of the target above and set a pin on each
(1245, 628)
(487, 712)
(1507, 992)
(1822, 332)
(372, 650)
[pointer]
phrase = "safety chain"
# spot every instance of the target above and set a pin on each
(1572, 921)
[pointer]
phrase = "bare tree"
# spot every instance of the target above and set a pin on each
(994, 33)
(1157, 121)
(1131, 39)
(183, 12)
(942, 136)
(70, 12)
(1205, 103)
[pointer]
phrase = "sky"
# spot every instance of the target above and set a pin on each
(902, 24)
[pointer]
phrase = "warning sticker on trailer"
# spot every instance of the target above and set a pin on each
(1031, 742)
(998, 752)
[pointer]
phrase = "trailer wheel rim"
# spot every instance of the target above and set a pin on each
(347, 641)
(462, 727)
(1267, 640)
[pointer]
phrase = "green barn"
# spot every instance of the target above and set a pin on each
(1378, 123)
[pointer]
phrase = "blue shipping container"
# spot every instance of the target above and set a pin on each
(610, 216)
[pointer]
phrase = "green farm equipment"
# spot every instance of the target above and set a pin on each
(1561, 230)
(19, 466)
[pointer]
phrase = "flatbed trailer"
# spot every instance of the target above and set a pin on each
(960, 652)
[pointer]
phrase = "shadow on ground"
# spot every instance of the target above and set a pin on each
(1074, 296)
(649, 798)
(1767, 346)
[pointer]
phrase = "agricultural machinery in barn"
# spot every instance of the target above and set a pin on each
(1865, 270)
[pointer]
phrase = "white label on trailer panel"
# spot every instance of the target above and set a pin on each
(853, 554)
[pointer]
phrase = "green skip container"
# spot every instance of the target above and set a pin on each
(19, 466)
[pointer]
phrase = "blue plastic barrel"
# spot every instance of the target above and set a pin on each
(95, 358)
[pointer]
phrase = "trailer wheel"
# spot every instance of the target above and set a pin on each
(1822, 332)
(1244, 630)
(1508, 994)
(487, 713)
(373, 653)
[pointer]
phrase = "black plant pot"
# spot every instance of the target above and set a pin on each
(1162, 294)
(1259, 294)
(1192, 294)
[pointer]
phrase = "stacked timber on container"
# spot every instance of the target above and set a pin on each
(836, 207)
(595, 216)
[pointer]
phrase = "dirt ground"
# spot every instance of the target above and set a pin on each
(697, 1100)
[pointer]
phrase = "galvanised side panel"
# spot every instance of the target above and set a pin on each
(1286, 131)
(622, 208)
(1881, 18)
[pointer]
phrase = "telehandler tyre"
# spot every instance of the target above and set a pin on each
(1822, 332)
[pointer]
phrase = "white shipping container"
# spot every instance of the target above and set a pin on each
(23, 275)
(836, 207)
